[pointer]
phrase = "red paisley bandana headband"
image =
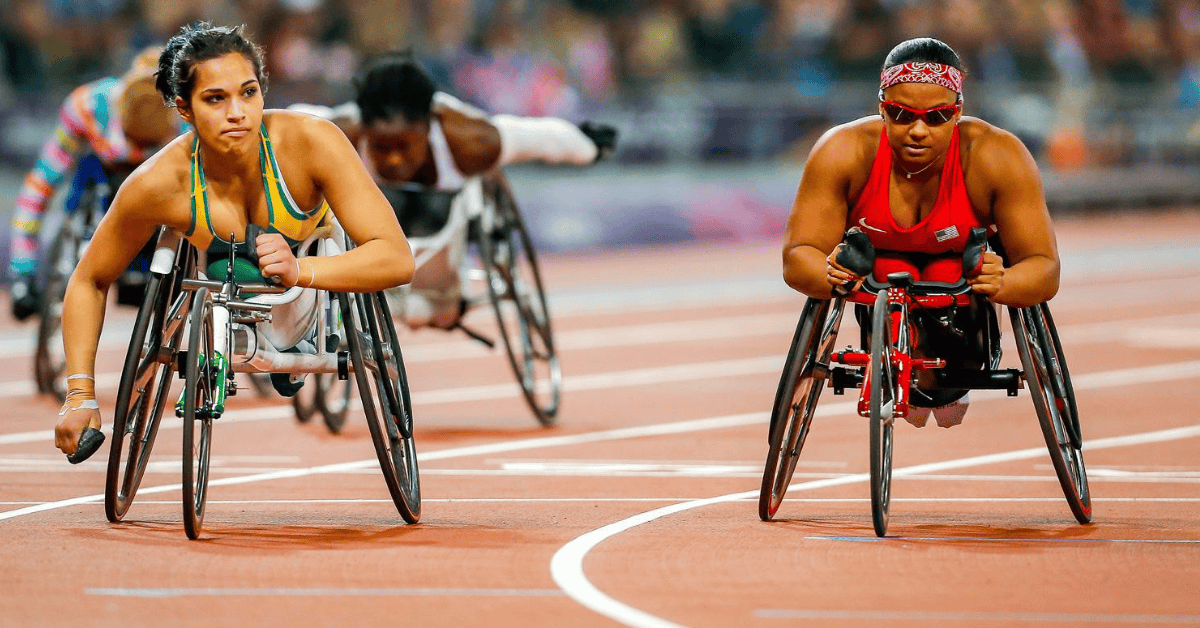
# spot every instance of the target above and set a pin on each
(922, 72)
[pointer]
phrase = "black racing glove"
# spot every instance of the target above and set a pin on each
(25, 297)
(604, 136)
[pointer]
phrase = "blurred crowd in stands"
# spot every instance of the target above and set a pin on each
(573, 58)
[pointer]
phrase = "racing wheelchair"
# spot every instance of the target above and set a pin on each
(472, 250)
(91, 190)
(923, 342)
(203, 327)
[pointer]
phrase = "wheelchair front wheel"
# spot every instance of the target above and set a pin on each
(197, 401)
(882, 390)
(514, 285)
(1045, 370)
(145, 386)
(804, 376)
(383, 386)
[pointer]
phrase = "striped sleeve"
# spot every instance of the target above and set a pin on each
(58, 155)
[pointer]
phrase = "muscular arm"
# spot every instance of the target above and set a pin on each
(120, 235)
(382, 258)
(818, 218)
(1020, 214)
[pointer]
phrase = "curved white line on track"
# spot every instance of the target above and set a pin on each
(566, 566)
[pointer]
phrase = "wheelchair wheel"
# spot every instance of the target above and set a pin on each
(1045, 370)
(304, 403)
(49, 360)
(198, 395)
(804, 376)
(145, 385)
(332, 400)
(514, 285)
(883, 384)
(383, 386)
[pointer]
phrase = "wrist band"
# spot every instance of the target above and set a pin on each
(80, 376)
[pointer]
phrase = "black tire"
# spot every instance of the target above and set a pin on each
(333, 400)
(144, 390)
(1049, 383)
(198, 395)
(49, 360)
(383, 387)
(305, 401)
(882, 376)
(514, 285)
(804, 376)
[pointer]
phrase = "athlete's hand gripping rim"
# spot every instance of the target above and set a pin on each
(77, 433)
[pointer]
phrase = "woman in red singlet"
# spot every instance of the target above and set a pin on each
(916, 178)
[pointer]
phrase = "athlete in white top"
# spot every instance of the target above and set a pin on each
(408, 133)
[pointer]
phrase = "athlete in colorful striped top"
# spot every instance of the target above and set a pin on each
(121, 120)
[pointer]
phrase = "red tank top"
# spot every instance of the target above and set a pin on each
(946, 227)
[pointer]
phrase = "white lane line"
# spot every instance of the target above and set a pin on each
(566, 566)
(1078, 619)
(574, 383)
(1133, 331)
(173, 503)
(1122, 377)
(321, 592)
(592, 338)
(660, 429)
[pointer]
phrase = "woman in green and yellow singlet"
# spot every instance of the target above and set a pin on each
(239, 165)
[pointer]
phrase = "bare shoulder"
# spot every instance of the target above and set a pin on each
(474, 142)
(846, 147)
(160, 184)
(443, 102)
(295, 128)
(989, 146)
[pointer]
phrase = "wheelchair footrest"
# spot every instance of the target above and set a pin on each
(1005, 379)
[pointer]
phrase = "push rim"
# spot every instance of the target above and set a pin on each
(883, 403)
(197, 418)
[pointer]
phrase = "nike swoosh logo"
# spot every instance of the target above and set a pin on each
(862, 222)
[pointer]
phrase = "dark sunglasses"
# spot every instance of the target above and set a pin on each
(936, 116)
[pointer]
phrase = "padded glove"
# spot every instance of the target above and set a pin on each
(25, 297)
(604, 136)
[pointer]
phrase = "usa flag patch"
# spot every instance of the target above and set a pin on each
(949, 233)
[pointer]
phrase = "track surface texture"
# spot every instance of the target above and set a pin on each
(640, 507)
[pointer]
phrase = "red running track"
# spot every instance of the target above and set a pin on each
(640, 508)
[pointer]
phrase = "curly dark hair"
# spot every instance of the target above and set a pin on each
(194, 44)
(393, 84)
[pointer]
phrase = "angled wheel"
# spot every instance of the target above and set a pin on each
(333, 400)
(518, 298)
(304, 402)
(145, 383)
(383, 387)
(883, 384)
(49, 360)
(197, 401)
(1045, 370)
(804, 376)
